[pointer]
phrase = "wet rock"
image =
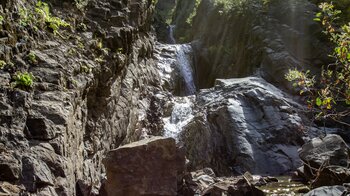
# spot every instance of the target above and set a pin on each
(244, 125)
(328, 190)
(148, 167)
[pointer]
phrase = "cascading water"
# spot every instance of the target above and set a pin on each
(183, 53)
(172, 39)
(182, 107)
(181, 115)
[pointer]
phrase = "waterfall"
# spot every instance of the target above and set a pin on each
(184, 61)
(172, 39)
(180, 65)
(181, 115)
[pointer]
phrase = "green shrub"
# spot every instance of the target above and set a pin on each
(23, 80)
(330, 94)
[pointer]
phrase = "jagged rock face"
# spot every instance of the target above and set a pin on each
(130, 172)
(53, 138)
(244, 125)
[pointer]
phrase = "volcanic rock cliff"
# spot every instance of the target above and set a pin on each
(88, 80)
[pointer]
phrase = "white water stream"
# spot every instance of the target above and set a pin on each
(182, 107)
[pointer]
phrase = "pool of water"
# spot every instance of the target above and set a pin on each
(284, 187)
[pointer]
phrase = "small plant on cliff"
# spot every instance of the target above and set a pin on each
(32, 57)
(1, 20)
(330, 93)
(54, 23)
(84, 68)
(41, 17)
(81, 4)
(2, 64)
(23, 80)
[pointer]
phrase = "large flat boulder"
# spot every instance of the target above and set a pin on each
(148, 167)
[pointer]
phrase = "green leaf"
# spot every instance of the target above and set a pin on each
(318, 101)
(347, 101)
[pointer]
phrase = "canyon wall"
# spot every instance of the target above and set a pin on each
(89, 80)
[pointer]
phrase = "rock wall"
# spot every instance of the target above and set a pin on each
(233, 39)
(89, 81)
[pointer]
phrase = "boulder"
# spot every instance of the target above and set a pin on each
(328, 190)
(325, 161)
(331, 150)
(244, 125)
(148, 167)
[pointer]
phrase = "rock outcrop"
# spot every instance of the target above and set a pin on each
(89, 78)
(244, 125)
(148, 167)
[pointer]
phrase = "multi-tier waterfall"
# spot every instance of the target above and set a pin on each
(181, 67)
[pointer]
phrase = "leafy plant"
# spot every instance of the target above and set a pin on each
(41, 17)
(32, 57)
(23, 80)
(2, 64)
(1, 20)
(330, 94)
(81, 4)
(54, 23)
(85, 69)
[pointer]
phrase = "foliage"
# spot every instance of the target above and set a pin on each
(24, 80)
(2, 64)
(41, 17)
(330, 94)
(194, 12)
(84, 68)
(54, 23)
(232, 5)
(1, 20)
(81, 4)
(32, 57)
